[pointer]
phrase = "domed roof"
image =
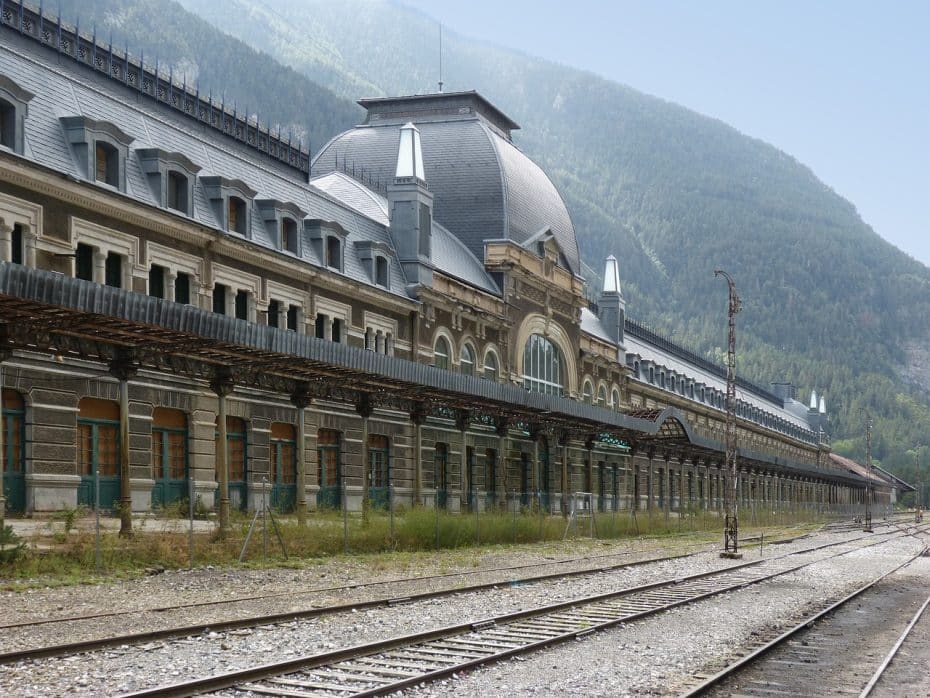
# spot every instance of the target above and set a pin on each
(484, 188)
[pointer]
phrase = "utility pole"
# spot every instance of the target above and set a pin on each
(867, 528)
(731, 520)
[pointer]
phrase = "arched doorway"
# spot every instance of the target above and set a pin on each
(237, 463)
(283, 466)
(98, 451)
(14, 450)
(329, 459)
(169, 456)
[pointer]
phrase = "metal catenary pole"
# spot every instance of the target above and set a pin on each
(867, 527)
(731, 521)
(918, 514)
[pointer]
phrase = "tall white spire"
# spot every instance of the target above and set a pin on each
(612, 276)
(813, 399)
(409, 153)
(823, 405)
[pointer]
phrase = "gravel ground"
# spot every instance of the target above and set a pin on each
(131, 668)
(660, 656)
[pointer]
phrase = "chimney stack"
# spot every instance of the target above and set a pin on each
(410, 204)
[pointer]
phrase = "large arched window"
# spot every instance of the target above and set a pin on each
(441, 353)
(543, 366)
(490, 366)
(602, 396)
(467, 360)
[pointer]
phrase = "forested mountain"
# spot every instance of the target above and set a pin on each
(828, 304)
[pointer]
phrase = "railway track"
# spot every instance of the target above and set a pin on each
(381, 668)
(188, 630)
(840, 646)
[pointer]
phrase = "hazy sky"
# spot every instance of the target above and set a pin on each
(842, 86)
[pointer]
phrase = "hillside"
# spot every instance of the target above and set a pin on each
(827, 302)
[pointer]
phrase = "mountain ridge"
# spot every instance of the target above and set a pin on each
(674, 194)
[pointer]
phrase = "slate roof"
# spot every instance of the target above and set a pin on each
(67, 88)
(484, 187)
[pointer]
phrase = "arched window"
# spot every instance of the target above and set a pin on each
(542, 366)
(467, 362)
(490, 366)
(602, 397)
(615, 399)
(441, 353)
(587, 393)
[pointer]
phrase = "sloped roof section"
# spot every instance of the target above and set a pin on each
(484, 187)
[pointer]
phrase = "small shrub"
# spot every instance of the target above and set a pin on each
(11, 545)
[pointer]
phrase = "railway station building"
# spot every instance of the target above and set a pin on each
(192, 303)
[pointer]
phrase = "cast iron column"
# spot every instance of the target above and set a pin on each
(222, 385)
(301, 399)
(123, 368)
(731, 522)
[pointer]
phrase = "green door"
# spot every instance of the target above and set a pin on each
(329, 459)
(169, 460)
(544, 494)
(14, 456)
(379, 471)
(283, 474)
(490, 463)
(524, 479)
(472, 492)
(601, 486)
(98, 451)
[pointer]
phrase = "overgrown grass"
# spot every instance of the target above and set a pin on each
(55, 558)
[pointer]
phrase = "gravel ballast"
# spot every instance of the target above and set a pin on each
(653, 654)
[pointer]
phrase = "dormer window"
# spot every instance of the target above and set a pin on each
(7, 125)
(374, 256)
(328, 241)
(280, 218)
(235, 215)
(171, 177)
(381, 271)
(13, 101)
(100, 148)
(289, 235)
(177, 192)
(107, 164)
(231, 200)
(333, 252)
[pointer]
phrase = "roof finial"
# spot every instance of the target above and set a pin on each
(440, 56)
(612, 276)
(409, 153)
(813, 399)
(823, 405)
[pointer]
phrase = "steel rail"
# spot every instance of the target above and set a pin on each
(805, 624)
(670, 593)
(894, 651)
(362, 585)
(69, 648)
